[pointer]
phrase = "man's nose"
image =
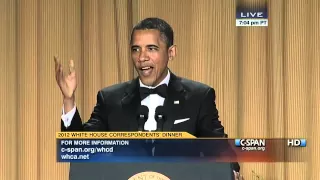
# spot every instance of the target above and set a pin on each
(143, 56)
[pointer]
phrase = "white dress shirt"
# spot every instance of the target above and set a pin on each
(152, 102)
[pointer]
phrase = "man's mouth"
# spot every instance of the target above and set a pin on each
(146, 71)
(146, 68)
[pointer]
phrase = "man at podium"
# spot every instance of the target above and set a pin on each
(169, 102)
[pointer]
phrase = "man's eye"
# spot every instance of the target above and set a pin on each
(135, 49)
(152, 49)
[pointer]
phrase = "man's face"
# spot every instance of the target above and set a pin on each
(150, 56)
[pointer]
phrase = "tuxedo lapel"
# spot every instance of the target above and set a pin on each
(174, 102)
(131, 103)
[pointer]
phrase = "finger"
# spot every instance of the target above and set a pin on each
(57, 63)
(59, 73)
(236, 175)
(71, 66)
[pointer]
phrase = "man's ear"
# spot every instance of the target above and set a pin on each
(172, 52)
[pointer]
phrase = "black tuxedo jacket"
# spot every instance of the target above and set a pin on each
(117, 107)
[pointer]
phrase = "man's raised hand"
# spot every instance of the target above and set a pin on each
(67, 82)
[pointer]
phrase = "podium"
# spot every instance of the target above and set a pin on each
(151, 171)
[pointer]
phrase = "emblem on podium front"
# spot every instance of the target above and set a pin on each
(149, 175)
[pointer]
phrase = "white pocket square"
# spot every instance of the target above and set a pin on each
(181, 120)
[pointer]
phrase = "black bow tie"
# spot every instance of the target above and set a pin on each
(160, 90)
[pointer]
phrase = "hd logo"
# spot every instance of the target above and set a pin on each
(297, 142)
(251, 144)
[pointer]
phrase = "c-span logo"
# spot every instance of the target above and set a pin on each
(149, 176)
(251, 144)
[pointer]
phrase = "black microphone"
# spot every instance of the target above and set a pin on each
(160, 117)
(142, 117)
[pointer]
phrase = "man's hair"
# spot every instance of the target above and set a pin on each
(162, 26)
